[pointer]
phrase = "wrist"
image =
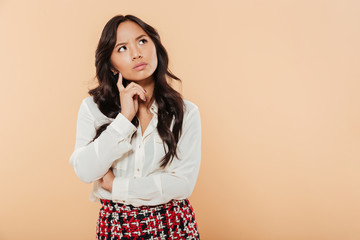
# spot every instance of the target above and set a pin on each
(127, 116)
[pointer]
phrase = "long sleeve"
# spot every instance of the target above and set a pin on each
(92, 160)
(177, 181)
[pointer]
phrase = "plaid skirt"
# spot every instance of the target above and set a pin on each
(172, 220)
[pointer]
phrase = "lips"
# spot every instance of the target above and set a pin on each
(138, 65)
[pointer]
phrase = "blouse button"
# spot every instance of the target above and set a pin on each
(138, 169)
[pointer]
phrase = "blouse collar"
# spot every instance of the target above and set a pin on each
(154, 107)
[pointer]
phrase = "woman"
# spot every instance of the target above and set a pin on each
(137, 140)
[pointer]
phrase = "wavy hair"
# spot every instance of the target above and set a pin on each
(106, 94)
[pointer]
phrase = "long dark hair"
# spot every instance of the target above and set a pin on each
(106, 95)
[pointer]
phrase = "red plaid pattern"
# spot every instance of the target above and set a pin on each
(172, 220)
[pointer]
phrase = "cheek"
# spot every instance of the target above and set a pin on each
(120, 63)
(118, 60)
(154, 58)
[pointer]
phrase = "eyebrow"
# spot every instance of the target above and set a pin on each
(142, 35)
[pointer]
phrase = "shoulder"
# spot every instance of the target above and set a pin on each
(92, 108)
(191, 109)
(89, 101)
(190, 106)
(192, 118)
(89, 104)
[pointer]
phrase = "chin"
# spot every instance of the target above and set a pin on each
(138, 77)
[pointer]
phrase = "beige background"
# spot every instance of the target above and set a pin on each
(277, 85)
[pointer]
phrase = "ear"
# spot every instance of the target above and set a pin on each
(112, 69)
(114, 72)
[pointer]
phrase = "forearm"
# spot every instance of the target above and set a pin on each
(92, 159)
(91, 162)
(154, 190)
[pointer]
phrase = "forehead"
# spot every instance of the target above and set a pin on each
(128, 30)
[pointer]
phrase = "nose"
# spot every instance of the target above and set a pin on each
(136, 54)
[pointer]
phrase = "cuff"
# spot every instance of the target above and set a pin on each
(120, 189)
(123, 126)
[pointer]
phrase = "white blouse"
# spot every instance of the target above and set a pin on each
(135, 162)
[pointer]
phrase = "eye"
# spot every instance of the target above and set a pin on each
(119, 50)
(144, 40)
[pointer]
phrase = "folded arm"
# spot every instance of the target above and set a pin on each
(177, 181)
(92, 160)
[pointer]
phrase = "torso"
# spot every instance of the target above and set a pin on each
(144, 117)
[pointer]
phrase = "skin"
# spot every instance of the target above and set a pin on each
(128, 51)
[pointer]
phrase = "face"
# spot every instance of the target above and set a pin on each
(133, 46)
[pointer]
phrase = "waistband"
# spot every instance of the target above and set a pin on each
(110, 203)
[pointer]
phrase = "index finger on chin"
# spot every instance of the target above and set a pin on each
(119, 83)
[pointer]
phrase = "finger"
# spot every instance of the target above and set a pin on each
(132, 85)
(137, 92)
(120, 82)
(138, 87)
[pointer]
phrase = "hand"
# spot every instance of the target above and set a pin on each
(129, 98)
(106, 181)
